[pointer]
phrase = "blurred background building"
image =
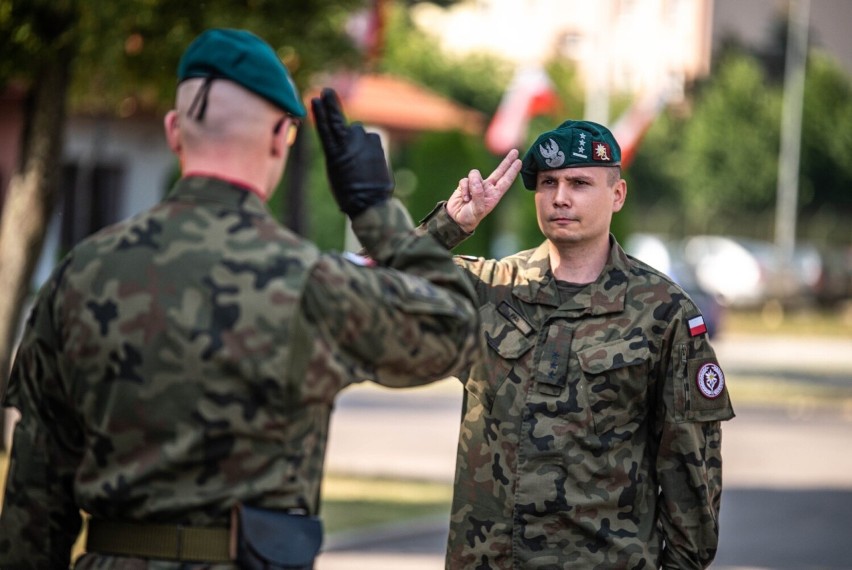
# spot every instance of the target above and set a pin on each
(651, 50)
(636, 46)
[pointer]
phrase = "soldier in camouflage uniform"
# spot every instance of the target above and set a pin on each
(187, 359)
(591, 429)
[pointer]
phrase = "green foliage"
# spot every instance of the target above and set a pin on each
(432, 166)
(728, 160)
(714, 169)
(477, 81)
(129, 50)
(29, 30)
(652, 179)
(326, 223)
(826, 138)
(563, 74)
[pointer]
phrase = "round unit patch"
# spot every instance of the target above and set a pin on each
(710, 380)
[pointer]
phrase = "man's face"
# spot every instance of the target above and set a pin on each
(575, 205)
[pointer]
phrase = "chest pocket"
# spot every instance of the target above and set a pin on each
(615, 377)
(509, 337)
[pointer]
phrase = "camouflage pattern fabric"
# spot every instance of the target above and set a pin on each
(189, 357)
(586, 441)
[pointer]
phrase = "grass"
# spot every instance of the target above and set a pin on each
(353, 502)
(773, 319)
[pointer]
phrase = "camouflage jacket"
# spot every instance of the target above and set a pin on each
(591, 428)
(189, 357)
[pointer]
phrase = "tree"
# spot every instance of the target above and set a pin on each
(44, 36)
(712, 164)
(476, 80)
(826, 137)
(728, 161)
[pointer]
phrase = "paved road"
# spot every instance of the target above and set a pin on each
(788, 466)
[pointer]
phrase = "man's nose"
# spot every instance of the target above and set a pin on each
(562, 196)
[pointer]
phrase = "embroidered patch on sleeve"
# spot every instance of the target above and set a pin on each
(705, 391)
(710, 380)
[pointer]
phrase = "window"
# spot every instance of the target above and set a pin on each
(90, 200)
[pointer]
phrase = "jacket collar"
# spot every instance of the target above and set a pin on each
(605, 295)
(206, 189)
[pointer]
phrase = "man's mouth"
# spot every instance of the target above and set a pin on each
(562, 219)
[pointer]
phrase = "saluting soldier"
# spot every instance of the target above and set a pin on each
(591, 430)
(177, 372)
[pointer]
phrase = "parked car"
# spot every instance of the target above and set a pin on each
(666, 255)
(835, 281)
(748, 273)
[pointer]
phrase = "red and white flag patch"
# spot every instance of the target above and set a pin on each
(697, 326)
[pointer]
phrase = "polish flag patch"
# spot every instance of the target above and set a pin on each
(358, 259)
(697, 326)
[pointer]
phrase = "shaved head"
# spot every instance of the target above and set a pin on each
(233, 116)
(218, 128)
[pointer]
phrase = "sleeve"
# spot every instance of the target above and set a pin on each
(689, 461)
(442, 227)
(406, 319)
(480, 271)
(40, 520)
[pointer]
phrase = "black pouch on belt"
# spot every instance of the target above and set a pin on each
(269, 539)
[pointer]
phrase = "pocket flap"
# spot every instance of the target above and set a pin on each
(613, 355)
(506, 331)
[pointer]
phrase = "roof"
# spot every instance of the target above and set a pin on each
(399, 104)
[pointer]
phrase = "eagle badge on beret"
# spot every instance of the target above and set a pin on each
(553, 157)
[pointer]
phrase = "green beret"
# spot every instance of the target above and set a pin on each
(243, 58)
(571, 144)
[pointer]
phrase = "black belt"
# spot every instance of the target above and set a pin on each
(162, 541)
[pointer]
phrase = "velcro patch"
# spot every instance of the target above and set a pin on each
(515, 318)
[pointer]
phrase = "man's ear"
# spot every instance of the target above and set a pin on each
(172, 126)
(619, 195)
(279, 140)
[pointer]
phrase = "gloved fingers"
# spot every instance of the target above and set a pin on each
(322, 123)
(373, 139)
(331, 123)
(320, 120)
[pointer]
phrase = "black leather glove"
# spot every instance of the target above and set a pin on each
(354, 159)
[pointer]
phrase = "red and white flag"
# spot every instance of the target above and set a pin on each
(697, 326)
(629, 129)
(530, 93)
(366, 27)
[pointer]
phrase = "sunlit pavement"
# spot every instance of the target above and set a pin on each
(788, 468)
